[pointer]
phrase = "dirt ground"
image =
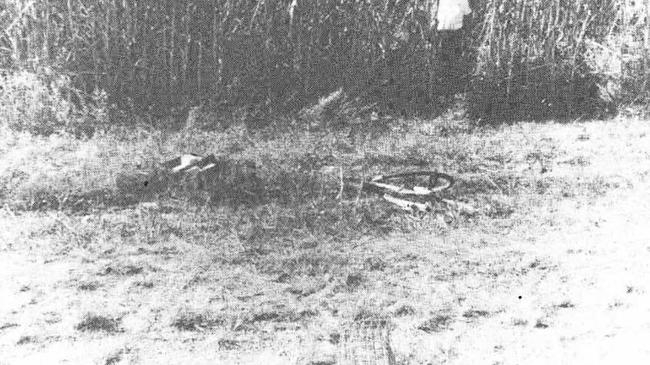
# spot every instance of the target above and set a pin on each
(561, 280)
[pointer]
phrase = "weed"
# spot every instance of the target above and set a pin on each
(499, 208)
(370, 318)
(566, 304)
(281, 314)
(228, 344)
(437, 323)
(283, 278)
(144, 284)
(7, 325)
(88, 286)
(541, 324)
(520, 322)
(114, 358)
(616, 304)
(98, 323)
(125, 270)
(404, 310)
(474, 313)
(577, 161)
(23, 340)
(132, 270)
(190, 321)
(354, 280)
(375, 264)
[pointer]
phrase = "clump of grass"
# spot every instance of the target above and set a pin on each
(98, 323)
(88, 286)
(126, 270)
(520, 322)
(370, 318)
(8, 325)
(541, 324)
(282, 315)
(437, 323)
(404, 310)
(354, 280)
(114, 358)
(566, 304)
(375, 264)
(475, 313)
(228, 344)
(192, 321)
(499, 207)
(23, 340)
(144, 284)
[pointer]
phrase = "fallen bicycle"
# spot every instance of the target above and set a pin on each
(416, 191)
(415, 198)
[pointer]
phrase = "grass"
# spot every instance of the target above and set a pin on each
(299, 263)
(475, 313)
(89, 286)
(437, 323)
(26, 340)
(98, 323)
(189, 321)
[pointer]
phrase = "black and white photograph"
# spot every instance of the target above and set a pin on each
(324, 182)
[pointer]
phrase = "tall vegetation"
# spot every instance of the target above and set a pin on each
(231, 53)
(539, 58)
(521, 58)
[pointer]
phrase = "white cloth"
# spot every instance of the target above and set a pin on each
(451, 13)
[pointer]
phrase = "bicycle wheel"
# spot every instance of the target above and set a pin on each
(419, 183)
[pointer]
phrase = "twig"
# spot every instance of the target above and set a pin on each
(340, 196)
(489, 179)
(494, 184)
(406, 204)
(363, 178)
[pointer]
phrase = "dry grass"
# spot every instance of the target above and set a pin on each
(197, 321)
(537, 59)
(552, 252)
(273, 55)
(98, 323)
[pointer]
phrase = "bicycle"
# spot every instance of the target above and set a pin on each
(404, 190)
